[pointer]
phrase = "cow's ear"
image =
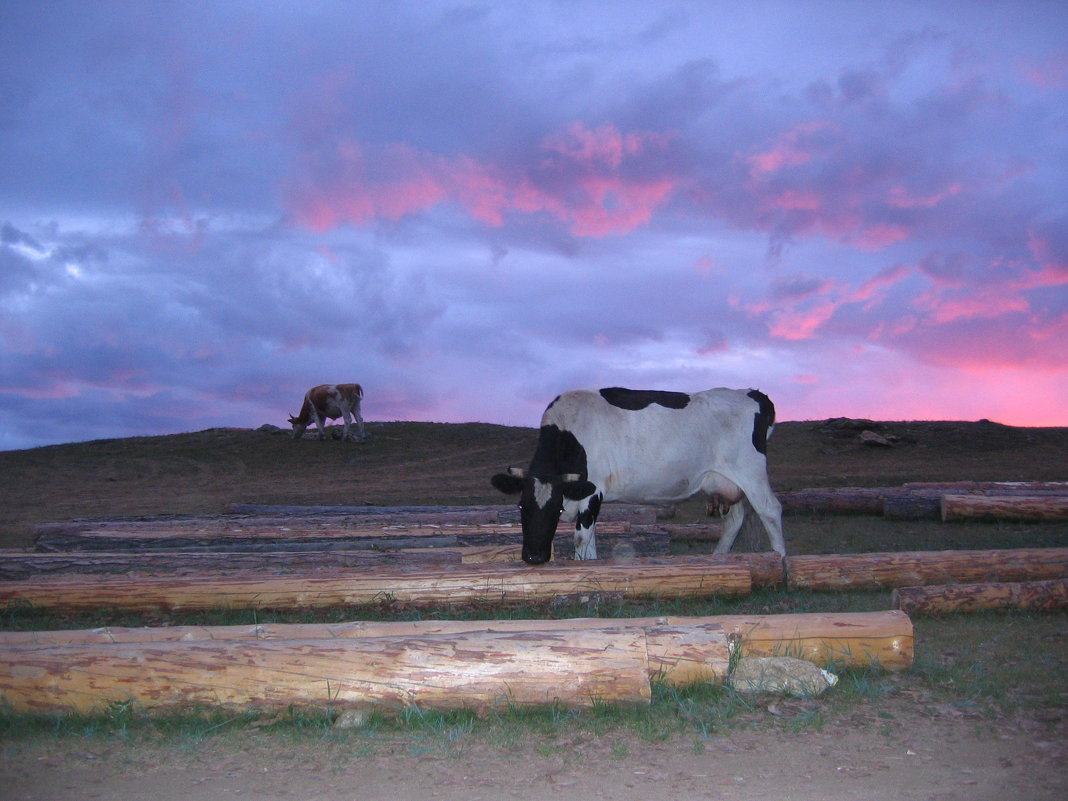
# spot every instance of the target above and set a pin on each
(507, 483)
(577, 490)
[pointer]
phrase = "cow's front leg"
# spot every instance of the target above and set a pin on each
(319, 423)
(345, 429)
(586, 527)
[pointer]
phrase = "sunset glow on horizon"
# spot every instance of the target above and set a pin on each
(469, 208)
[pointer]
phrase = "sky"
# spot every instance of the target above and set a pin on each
(469, 207)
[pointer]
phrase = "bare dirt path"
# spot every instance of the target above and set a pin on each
(899, 755)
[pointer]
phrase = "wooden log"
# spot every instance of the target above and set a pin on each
(18, 565)
(222, 536)
(846, 639)
(1004, 507)
(493, 582)
(913, 506)
(835, 500)
(991, 487)
(874, 571)
(409, 514)
(475, 670)
(1024, 595)
(644, 514)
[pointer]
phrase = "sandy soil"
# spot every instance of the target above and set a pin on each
(901, 753)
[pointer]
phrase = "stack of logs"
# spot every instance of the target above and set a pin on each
(292, 558)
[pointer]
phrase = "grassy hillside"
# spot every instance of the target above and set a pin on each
(434, 463)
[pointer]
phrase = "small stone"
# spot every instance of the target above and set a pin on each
(351, 719)
(874, 440)
(780, 675)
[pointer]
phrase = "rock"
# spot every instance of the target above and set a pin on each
(780, 675)
(874, 440)
(352, 719)
(267, 428)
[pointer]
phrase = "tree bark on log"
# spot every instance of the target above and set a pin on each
(874, 571)
(20, 565)
(942, 599)
(914, 506)
(497, 583)
(219, 536)
(1005, 507)
(836, 500)
(475, 670)
(846, 639)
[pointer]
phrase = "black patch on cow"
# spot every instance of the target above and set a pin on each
(635, 400)
(558, 452)
(763, 420)
(589, 517)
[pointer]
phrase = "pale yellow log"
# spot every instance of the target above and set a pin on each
(853, 639)
(497, 583)
(476, 669)
(941, 599)
(1004, 507)
(868, 571)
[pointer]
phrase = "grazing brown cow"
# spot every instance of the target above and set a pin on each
(329, 402)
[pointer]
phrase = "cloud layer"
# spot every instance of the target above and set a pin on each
(469, 208)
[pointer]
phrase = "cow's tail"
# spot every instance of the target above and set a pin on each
(763, 420)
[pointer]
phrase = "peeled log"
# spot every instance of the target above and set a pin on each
(874, 571)
(475, 670)
(493, 582)
(846, 639)
(1005, 507)
(1034, 595)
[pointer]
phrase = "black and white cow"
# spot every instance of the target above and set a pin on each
(644, 447)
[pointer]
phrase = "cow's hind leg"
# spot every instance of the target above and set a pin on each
(769, 510)
(586, 527)
(732, 524)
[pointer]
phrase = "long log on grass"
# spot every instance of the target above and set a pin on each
(473, 670)
(875, 571)
(844, 639)
(496, 583)
(17, 565)
(991, 487)
(221, 536)
(1024, 595)
(836, 500)
(1005, 507)
(614, 512)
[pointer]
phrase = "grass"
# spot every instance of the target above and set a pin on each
(984, 665)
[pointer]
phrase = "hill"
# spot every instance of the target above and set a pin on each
(442, 463)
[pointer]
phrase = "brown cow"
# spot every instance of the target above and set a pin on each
(329, 402)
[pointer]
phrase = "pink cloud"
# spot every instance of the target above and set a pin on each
(795, 147)
(583, 181)
(901, 198)
(1049, 74)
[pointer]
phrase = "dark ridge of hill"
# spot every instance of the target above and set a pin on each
(450, 463)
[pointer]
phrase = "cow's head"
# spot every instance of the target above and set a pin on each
(298, 427)
(541, 500)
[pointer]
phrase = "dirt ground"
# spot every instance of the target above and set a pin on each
(903, 750)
